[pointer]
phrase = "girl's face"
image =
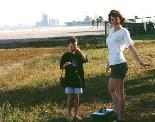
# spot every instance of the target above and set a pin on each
(72, 47)
(115, 21)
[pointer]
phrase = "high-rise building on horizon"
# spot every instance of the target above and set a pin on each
(87, 19)
(53, 22)
(44, 19)
(47, 22)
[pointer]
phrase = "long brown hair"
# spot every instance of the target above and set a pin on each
(116, 13)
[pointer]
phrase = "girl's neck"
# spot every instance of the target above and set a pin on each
(116, 28)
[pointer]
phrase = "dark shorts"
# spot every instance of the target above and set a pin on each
(119, 70)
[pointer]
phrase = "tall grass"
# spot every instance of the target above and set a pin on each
(30, 91)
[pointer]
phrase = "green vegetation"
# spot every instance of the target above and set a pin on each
(30, 91)
(97, 22)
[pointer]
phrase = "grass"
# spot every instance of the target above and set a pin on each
(30, 85)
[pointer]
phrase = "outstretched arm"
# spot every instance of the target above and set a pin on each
(135, 55)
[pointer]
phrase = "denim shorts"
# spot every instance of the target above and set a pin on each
(70, 90)
(119, 70)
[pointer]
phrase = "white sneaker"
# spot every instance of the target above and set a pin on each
(77, 117)
(70, 118)
(114, 121)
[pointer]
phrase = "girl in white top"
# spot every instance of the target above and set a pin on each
(117, 40)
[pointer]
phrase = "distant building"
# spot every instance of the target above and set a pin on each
(53, 22)
(47, 22)
(86, 22)
(87, 19)
(44, 19)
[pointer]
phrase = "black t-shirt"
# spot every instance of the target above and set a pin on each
(74, 73)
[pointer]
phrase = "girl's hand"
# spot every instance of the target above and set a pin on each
(78, 50)
(66, 64)
(107, 67)
(144, 65)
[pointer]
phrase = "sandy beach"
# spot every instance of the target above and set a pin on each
(46, 32)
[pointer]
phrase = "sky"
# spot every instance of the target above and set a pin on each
(14, 12)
